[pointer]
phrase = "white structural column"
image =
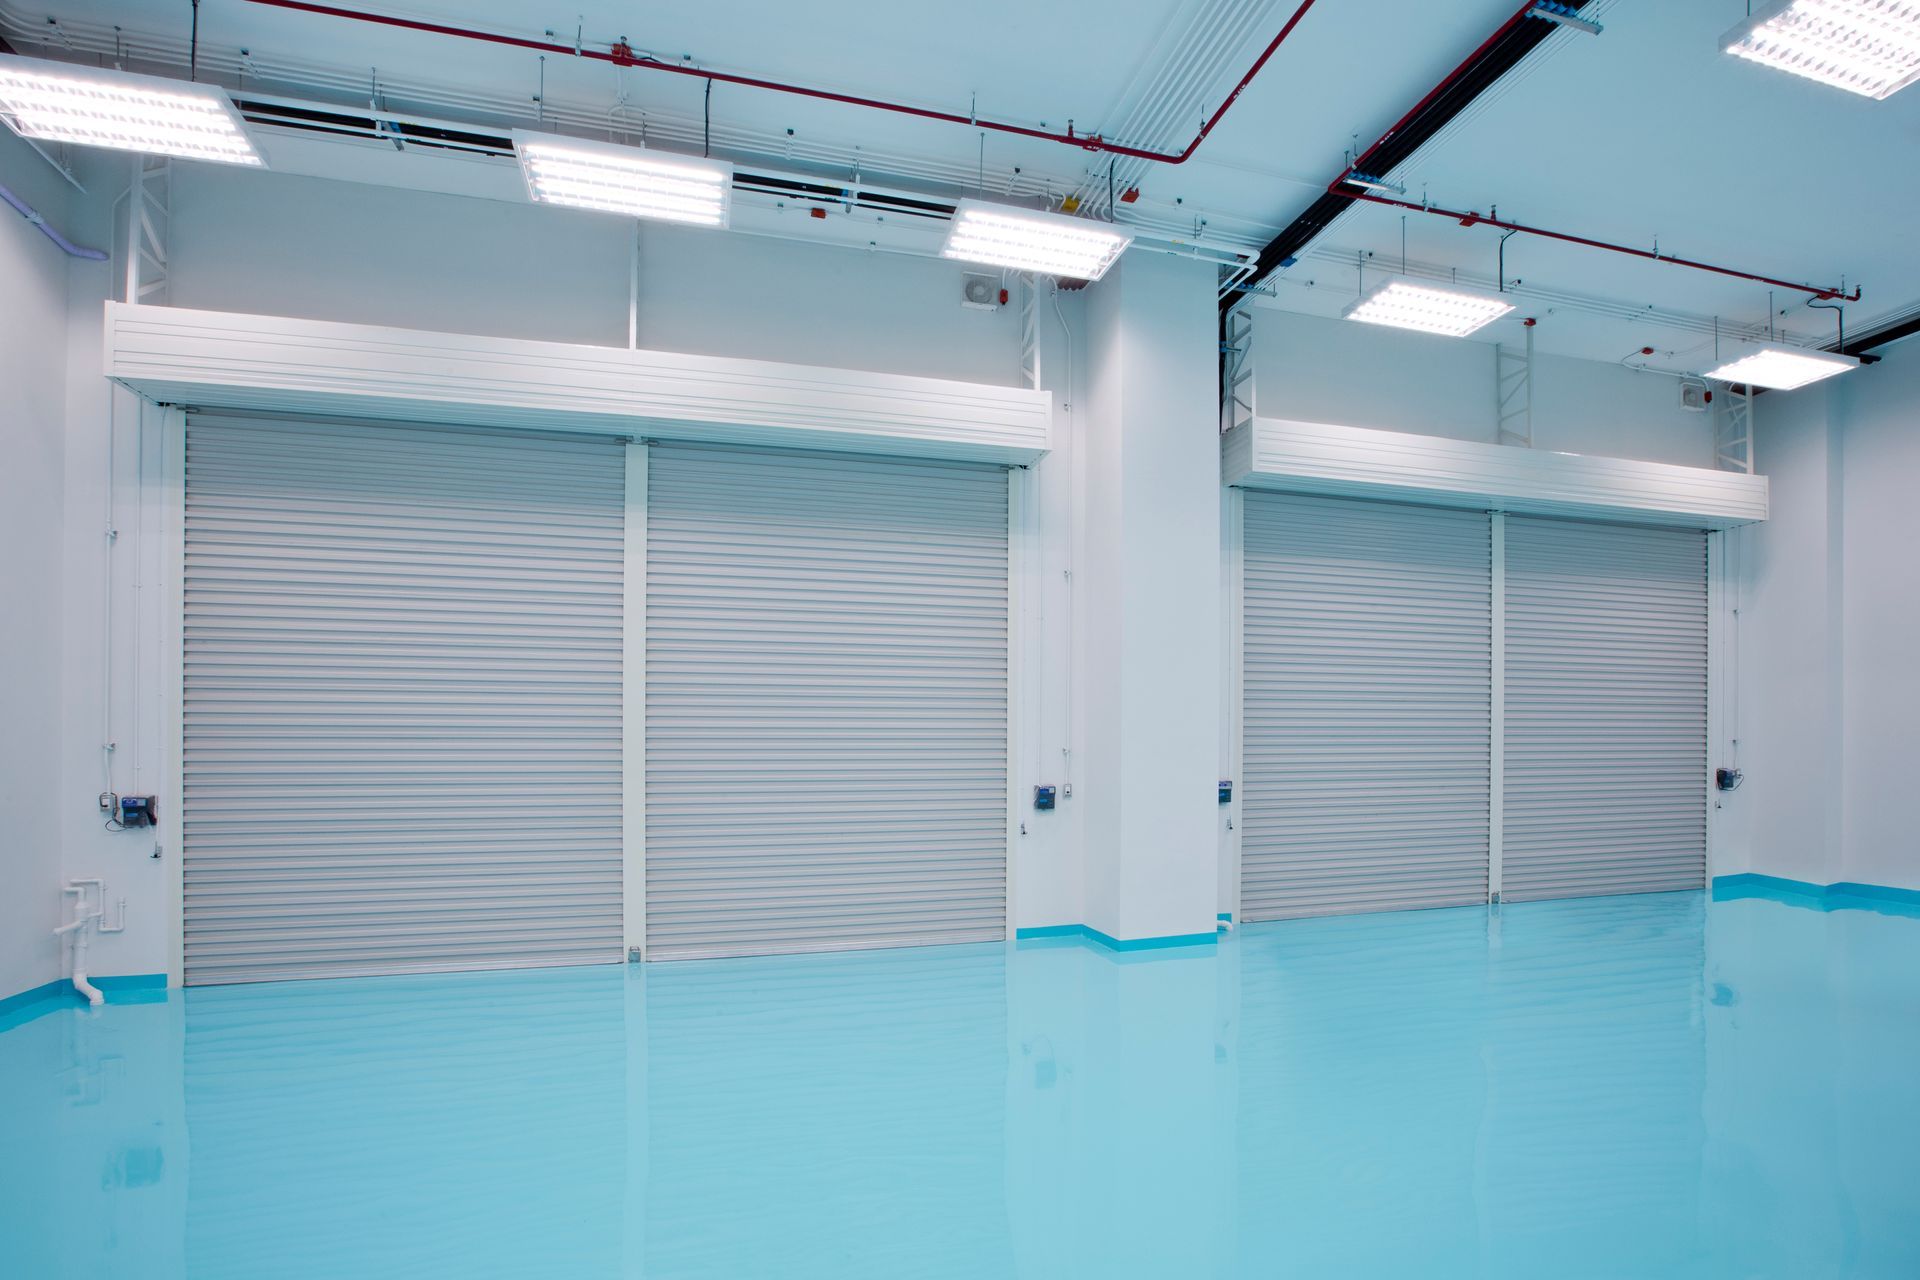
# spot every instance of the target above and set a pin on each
(1147, 652)
(1497, 696)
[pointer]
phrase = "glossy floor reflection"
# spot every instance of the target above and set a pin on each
(1627, 1087)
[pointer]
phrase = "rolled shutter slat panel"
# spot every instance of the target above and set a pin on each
(403, 666)
(1367, 697)
(1606, 697)
(826, 702)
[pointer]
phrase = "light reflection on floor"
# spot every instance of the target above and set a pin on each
(1627, 1087)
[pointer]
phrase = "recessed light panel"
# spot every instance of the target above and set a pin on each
(1783, 370)
(625, 180)
(1051, 244)
(97, 107)
(1868, 47)
(1453, 313)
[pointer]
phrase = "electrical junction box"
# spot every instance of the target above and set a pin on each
(1226, 791)
(137, 811)
(1043, 798)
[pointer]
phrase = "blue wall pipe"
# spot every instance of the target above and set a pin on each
(27, 211)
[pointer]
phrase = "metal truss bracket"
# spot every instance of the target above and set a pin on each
(1513, 393)
(1733, 430)
(149, 223)
(1236, 369)
(1029, 332)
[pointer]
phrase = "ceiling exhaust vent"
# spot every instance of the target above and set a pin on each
(395, 130)
(345, 122)
(982, 293)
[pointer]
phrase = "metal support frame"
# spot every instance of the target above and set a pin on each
(1236, 369)
(1029, 331)
(633, 707)
(59, 157)
(149, 224)
(1497, 712)
(1513, 393)
(633, 288)
(1733, 431)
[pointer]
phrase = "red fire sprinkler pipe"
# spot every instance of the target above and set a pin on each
(1345, 185)
(624, 55)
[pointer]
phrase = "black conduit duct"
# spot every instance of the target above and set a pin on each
(1500, 54)
(1887, 333)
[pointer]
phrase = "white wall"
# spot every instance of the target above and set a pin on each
(33, 285)
(1049, 869)
(1786, 818)
(1830, 586)
(1102, 570)
(1879, 412)
(109, 435)
(305, 247)
(308, 247)
(1313, 369)
(276, 244)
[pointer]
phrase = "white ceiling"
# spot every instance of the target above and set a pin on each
(1643, 132)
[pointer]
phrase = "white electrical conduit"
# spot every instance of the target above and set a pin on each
(1734, 570)
(1073, 489)
(1178, 62)
(106, 604)
(138, 580)
(1173, 93)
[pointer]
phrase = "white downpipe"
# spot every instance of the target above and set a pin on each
(82, 917)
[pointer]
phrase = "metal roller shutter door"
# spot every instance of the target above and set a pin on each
(402, 725)
(1606, 720)
(1367, 706)
(826, 702)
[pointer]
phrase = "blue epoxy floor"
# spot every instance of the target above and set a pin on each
(1627, 1087)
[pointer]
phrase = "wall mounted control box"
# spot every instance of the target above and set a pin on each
(1226, 791)
(1043, 798)
(137, 811)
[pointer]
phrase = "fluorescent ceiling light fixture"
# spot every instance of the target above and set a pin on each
(627, 180)
(98, 107)
(1868, 47)
(1404, 305)
(1564, 15)
(1051, 244)
(1783, 370)
(1376, 184)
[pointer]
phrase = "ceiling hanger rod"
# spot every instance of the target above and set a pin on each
(624, 55)
(1470, 219)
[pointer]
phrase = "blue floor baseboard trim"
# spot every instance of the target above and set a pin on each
(1843, 895)
(1090, 934)
(31, 996)
(129, 985)
(128, 988)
